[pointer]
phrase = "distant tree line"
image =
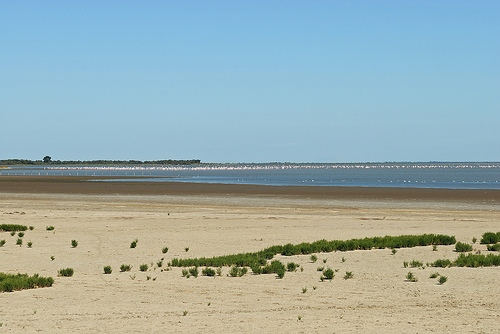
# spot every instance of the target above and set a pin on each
(47, 160)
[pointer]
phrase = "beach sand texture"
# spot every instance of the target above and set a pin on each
(221, 219)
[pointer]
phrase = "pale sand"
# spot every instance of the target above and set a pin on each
(377, 299)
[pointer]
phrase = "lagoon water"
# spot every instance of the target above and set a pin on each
(409, 175)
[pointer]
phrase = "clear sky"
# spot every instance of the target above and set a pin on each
(250, 81)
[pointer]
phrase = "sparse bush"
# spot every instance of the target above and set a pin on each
(186, 249)
(133, 244)
(52, 258)
(474, 240)
(434, 275)
(493, 248)
(460, 247)
(74, 243)
(2, 242)
(348, 275)
(208, 272)
(320, 268)
(50, 228)
(416, 264)
(107, 269)
(411, 277)
(218, 271)
(20, 234)
(125, 267)
(304, 290)
(256, 269)
(490, 238)
(143, 267)
(343, 259)
(185, 273)
(19, 241)
(434, 248)
(313, 258)
(67, 272)
(394, 251)
(30, 244)
(159, 263)
(32, 228)
(442, 279)
(324, 260)
(405, 264)
(237, 271)
(12, 233)
(441, 263)
(164, 250)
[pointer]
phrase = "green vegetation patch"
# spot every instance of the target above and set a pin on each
(261, 257)
(10, 282)
(470, 260)
(12, 228)
(493, 248)
(490, 238)
(460, 247)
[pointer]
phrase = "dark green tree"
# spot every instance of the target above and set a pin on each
(47, 159)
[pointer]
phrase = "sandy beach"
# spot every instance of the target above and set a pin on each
(211, 220)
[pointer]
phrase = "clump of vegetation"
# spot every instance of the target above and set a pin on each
(474, 240)
(32, 228)
(490, 238)
(442, 279)
(320, 268)
(411, 277)
(416, 264)
(133, 244)
(125, 267)
(304, 290)
(184, 313)
(256, 269)
(208, 272)
(20, 234)
(159, 263)
(237, 271)
(405, 264)
(30, 244)
(12, 228)
(185, 273)
(107, 270)
(343, 259)
(328, 274)
(470, 260)
(50, 228)
(194, 271)
(52, 258)
(348, 275)
(67, 272)
(494, 248)
(19, 241)
(164, 250)
(2, 242)
(313, 258)
(394, 251)
(434, 248)
(261, 257)
(143, 267)
(10, 282)
(12, 233)
(218, 271)
(74, 243)
(460, 247)
(186, 249)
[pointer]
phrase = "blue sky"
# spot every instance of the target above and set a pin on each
(250, 81)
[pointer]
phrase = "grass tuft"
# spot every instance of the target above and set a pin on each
(125, 267)
(107, 270)
(67, 272)
(11, 282)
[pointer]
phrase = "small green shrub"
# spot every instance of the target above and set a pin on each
(30, 244)
(107, 269)
(494, 248)
(159, 263)
(490, 238)
(143, 267)
(164, 250)
(405, 264)
(20, 234)
(19, 241)
(348, 275)
(434, 275)
(74, 243)
(460, 247)
(125, 267)
(2, 242)
(324, 260)
(133, 244)
(474, 240)
(67, 272)
(208, 272)
(343, 259)
(12, 233)
(291, 266)
(320, 268)
(186, 249)
(52, 258)
(411, 277)
(434, 248)
(50, 228)
(441, 263)
(442, 279)
(256, 269)
(185, 273)
(218, 271)
(304, 290)
(32, 228)
(328, 274)
(313, 258)
(237, 271)
(394, 251)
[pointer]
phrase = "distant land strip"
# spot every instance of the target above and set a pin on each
(47, 162)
